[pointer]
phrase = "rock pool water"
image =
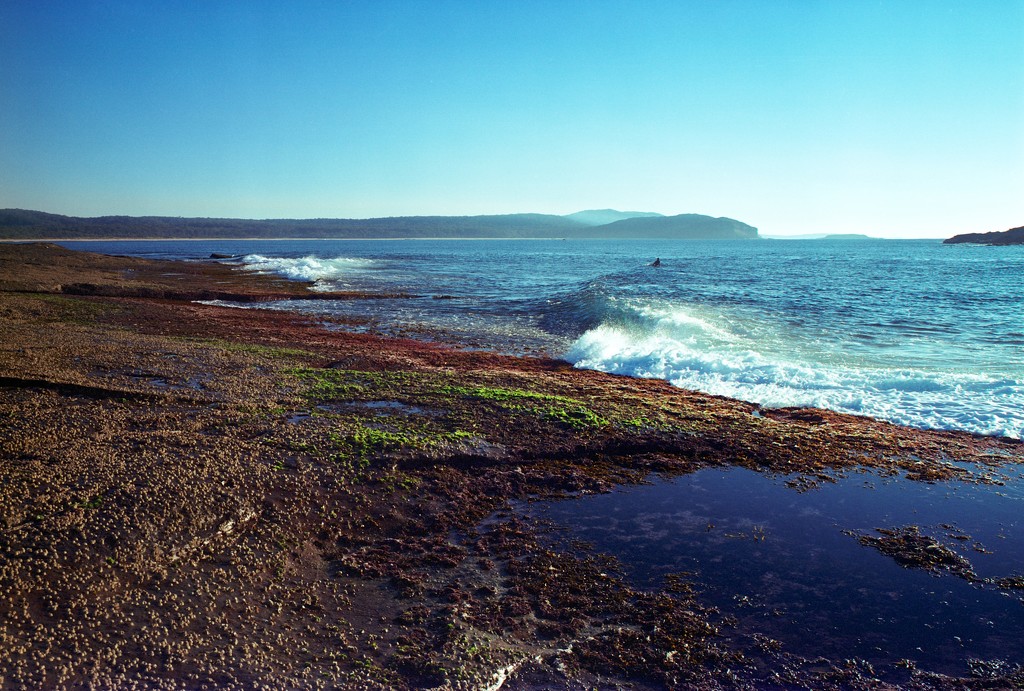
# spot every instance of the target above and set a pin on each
(788, 565)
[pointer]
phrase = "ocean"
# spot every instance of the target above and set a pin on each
(909, 331)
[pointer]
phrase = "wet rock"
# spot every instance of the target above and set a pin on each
(909, 548)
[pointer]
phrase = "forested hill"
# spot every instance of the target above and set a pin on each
(18, 224)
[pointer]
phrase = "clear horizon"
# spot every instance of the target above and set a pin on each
(891, 119)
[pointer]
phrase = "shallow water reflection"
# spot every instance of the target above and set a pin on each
(779, 561)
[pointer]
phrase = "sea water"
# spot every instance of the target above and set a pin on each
(910, 331)
(788, 564)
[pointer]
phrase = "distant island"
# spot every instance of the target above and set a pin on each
(848, 236)
(20, 224)
(1013, 236)
(822, 236)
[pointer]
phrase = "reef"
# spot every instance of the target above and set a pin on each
(195, 496)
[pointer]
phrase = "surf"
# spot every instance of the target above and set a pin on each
(771, 364)
(323, 273)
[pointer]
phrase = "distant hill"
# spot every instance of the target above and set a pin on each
(1013, 236)
(20, 224)
(801, 236)
(684, 226)
(600, 217)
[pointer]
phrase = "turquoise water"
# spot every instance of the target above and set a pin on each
(914, 332)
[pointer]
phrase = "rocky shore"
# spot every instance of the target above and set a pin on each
(1013, 236)
(200, 497)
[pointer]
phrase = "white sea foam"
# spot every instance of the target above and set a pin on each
(314, 269)
(761, 365)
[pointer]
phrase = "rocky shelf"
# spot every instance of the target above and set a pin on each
(195, 496)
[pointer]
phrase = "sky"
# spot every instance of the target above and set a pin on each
(900, 118)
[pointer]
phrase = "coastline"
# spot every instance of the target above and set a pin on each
(275, 239)
(200, 495)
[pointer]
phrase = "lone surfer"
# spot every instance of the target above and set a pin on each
(656, 262)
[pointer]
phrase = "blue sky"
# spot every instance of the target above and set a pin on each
(893, 118)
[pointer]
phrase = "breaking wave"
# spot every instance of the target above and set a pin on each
(317, 270)
(748, 359)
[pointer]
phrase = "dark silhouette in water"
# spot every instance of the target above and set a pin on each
(656, 262)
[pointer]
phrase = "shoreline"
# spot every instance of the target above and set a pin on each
(430, 239)
(851, 388)
(197, 495)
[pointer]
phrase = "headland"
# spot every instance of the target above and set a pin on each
(1013, 236)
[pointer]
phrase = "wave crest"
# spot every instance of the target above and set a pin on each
(762, 364)
(309, 268)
